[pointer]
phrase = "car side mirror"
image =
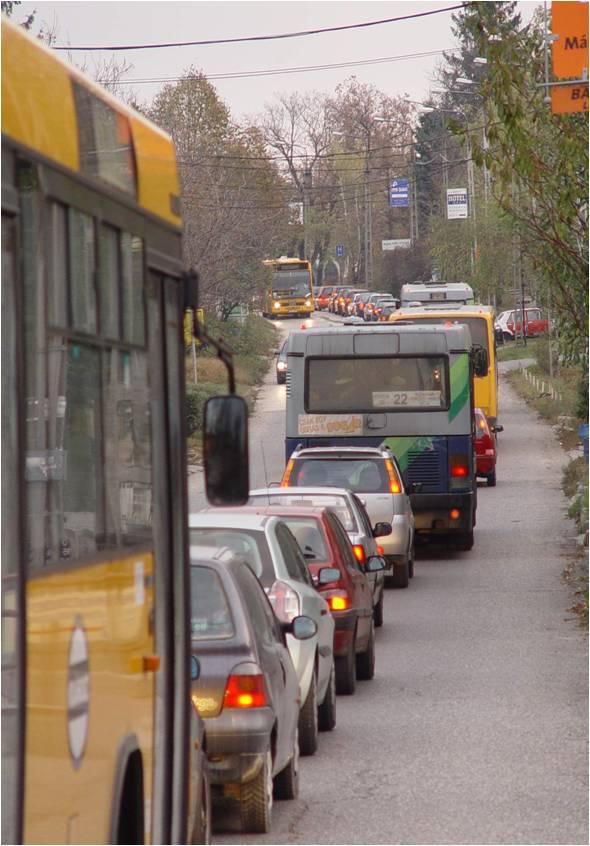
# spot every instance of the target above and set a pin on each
(225, 450)
(302, 627)
(381, 529)
(327, 575)
(497, 428)
(415, 487)
(375, 563)
(195, 668)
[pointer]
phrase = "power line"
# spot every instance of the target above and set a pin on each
(277, 71)
(243, 39)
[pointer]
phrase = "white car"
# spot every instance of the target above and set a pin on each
(268, 547)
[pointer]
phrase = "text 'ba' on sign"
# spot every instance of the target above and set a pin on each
(566, 99)
(569, 22)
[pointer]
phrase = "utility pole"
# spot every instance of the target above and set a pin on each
(368, 220)
(306, 185)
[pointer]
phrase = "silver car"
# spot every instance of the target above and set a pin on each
(268, 547)
(351, 513)
(374, 475)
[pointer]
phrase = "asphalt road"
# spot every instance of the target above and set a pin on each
(475, 727)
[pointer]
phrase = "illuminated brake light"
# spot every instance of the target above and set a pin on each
(394, 483)
(284, 601)
(338, 601)
(459, 471)
(454, 513)
(287, 473)
(245, 691)
(359, 553)
(380, 550)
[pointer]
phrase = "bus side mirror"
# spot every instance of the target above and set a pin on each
(225, 450)
(480, 361)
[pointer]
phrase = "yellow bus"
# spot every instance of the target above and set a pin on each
(480, 320)
(291, 288)
(95, 635)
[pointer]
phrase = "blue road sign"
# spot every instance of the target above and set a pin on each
(399, 193)
(339, 250)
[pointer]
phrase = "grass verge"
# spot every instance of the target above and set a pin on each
(562, 414)
(253, 344)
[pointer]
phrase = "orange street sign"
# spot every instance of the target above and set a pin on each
(569, 22)
(569, 98)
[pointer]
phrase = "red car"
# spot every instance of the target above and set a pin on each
(323, 297)
(341, 580)
(485, 447)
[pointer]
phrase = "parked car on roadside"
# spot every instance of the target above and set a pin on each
(351, 513)
(247, 690)
(267, 545)
(486, 452)
(374, 475)
(343, 582)
(535, 323)
(281, 366)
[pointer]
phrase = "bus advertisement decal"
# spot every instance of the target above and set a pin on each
(330, 424)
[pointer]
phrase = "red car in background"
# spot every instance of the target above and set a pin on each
(341, 580)
(485, 447)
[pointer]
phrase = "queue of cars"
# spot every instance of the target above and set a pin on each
(286, 594)
(355, 302)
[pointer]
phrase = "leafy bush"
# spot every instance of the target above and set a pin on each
(196, 397)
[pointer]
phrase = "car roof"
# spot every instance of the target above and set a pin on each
(315, 511)
(316, 489)
(346, 452)
(230, 518)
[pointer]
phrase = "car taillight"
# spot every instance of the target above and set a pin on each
(284, 600)
(359, 553)
(380, 550)
(394, 482)
(459, 471)
(287, 473)
(338, 600)
(245, 689)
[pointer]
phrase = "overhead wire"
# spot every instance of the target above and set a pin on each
(251, 38)
(277, 71)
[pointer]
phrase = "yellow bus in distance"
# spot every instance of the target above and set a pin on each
(480, 321)
(291, 288)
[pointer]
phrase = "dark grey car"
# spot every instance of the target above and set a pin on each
(247, 691)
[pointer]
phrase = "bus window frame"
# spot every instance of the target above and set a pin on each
(380, 410)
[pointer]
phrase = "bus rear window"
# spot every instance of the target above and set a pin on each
(386, 383)
(476, 325)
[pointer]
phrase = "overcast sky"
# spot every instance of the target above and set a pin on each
(115, 23)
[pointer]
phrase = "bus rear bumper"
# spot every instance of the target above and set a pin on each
(432, 513)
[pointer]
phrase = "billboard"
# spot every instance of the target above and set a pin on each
(399, 193)
(457, 207)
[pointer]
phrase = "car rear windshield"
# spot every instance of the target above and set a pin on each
(248, 546)
(385, 383)
(361, 475)
(310, 537)
(336, 503)
(211, 617)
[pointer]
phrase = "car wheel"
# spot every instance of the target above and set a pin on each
(286, 783)
(308, 721)
(464, 541)
(401, 574)
(346, 672)
(256, 800)
(492, 479)
(378, 613)
(201, 832)
(365, 661)
(327, 710)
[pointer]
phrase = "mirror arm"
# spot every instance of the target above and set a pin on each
(191, 302)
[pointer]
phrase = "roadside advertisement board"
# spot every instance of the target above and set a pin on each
(457, 206)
